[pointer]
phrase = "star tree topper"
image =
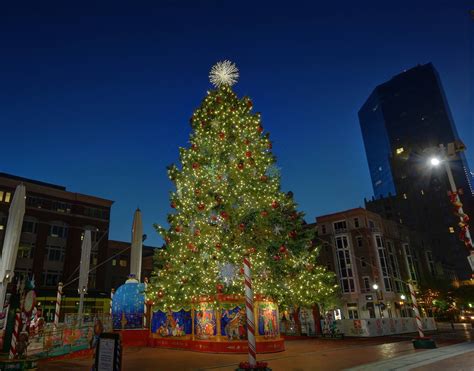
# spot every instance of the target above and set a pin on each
(224, 73)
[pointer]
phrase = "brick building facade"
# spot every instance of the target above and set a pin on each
(364, 249)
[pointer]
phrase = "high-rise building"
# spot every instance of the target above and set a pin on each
(403, 122)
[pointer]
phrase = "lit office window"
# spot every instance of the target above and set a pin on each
(399, 150)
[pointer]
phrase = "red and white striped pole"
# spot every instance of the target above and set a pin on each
(15, 334)
(417, 312)
(112, 293)
(59, 296)
(249, 312)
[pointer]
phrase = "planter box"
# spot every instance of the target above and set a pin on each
(424, 343)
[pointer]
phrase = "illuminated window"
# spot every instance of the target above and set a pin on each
(451, 230)
(422, 192)
(114, 262)
(123, 263)
(7, 197)
(399, 150)
(405, 196)
(1, 196)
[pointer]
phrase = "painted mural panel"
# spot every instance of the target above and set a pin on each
(233, 323)
(204, 322)
(268, 320)
(171, 323)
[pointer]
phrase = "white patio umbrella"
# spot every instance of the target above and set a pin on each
(11, 241)
(84, 271)
(137, 245)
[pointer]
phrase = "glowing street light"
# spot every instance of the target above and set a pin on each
(403, 297)
(375, 286)
(434, 161)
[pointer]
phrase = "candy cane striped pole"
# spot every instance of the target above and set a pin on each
(58, 305)
(417, 312)
(112, 292)
(249, 312)
(16, 332)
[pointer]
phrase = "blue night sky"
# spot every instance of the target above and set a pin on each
(97, 97)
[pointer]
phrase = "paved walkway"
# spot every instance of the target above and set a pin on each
(440, 358)
(307, 355)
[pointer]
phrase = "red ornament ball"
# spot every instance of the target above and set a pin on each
(292, 234)
(197, 232)
(260, 129)
(178, 228)
(240, 165)
(173, 205)
(282, 248)
(264, 213)
(224, 215)
(241, 226)
(160, 294)
(248, 154)
(249, 104)
(193, 146)
(195, 165)
(218, 246)
(263, 178)
(221, 135)
(201, 207)
(275, 204)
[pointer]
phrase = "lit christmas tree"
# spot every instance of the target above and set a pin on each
(228, 205)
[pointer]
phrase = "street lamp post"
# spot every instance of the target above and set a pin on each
(376, 289)
(468, 240)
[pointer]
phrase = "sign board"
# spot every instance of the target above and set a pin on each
(108, 356)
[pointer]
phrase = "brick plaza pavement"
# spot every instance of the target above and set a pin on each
(308, 354)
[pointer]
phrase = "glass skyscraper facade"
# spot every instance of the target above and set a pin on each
(403, 122)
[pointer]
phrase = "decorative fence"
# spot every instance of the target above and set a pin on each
(68, 337)
(378, 326)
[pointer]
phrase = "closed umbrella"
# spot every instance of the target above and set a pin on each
(137, 244)
(84, 270)
(12, 239)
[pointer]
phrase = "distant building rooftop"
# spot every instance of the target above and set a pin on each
(21, 179)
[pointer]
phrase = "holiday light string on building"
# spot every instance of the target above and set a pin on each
(464, 235)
